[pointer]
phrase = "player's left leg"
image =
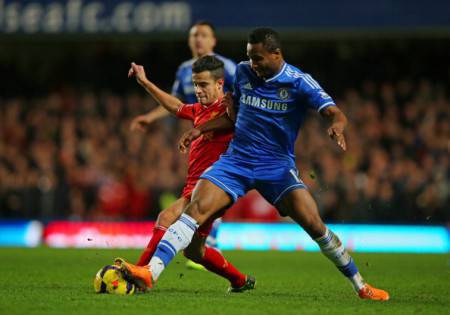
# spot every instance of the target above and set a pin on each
(214, 261)
(217, 189)
(207, 200)
(211, 241)
(301, 207)
(209, 231)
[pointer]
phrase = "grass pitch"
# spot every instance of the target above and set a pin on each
(59, 281)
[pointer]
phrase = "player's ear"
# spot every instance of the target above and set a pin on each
(277, 52)
(220, 82)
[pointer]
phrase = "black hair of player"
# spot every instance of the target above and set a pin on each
(269, 38)
(210, 63)
(205, 23)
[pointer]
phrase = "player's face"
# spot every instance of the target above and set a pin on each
(201, 40)
(207, 88)
(266, 64)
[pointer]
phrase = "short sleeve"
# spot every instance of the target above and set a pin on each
(236, 90)
(230, 70)
(316, 98)
(186, 111)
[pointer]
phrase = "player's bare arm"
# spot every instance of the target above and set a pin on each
(220, 123)
(338, 124)
(169, 102)
(142, 121)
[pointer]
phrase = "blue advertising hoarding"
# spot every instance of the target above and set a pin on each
(232, 236)
(20, 233)
(355, 237)
(120, 16)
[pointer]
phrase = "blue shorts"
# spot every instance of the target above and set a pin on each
(237, 176)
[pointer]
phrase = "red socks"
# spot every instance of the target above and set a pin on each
(158, 233)
(215, 262)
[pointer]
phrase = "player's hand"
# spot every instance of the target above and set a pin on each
(228, 102)
(138, 72)
(187, 138)
(336, 132)
(139, 123)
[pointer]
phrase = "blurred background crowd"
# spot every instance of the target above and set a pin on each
(71, 154)
(66, 150)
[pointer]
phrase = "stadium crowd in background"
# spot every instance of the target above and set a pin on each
(70, 154)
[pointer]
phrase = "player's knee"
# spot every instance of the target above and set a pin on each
(166, 218)
(198, 209)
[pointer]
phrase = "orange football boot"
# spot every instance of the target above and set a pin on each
(141, 274)
(371, 293)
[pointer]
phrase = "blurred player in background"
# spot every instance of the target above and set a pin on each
(273, 98)
(201, 41)
(208, 78)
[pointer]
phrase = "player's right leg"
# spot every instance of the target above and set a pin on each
(207, 200)
(217, 188)
(205, 256)
(301, 207)
(165, 219)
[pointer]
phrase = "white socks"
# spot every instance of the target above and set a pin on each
(332, 247)
(177, 237)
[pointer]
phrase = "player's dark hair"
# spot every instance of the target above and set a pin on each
(205, 23)
(268, 37)
(209, 63)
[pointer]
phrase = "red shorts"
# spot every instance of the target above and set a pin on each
(204, 229)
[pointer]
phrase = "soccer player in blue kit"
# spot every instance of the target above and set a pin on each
(272, 98)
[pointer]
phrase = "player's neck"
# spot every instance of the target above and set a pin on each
(277, 70)
(214, 102)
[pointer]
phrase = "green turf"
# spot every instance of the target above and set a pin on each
(59, 281)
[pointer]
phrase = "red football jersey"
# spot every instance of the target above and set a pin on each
(206, 149)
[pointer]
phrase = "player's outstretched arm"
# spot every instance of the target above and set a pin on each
(218, 124)
(338, 124)
(169, 102)
(142, 121)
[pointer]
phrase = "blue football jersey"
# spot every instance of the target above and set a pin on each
(271, 112)
(183, 88)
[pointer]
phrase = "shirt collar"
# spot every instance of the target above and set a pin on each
(278, 74)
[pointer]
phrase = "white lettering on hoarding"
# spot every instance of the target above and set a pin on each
(93, 16)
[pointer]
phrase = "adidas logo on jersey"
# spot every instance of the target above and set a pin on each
(247, 86)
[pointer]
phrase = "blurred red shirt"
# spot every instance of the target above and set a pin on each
(206, 149)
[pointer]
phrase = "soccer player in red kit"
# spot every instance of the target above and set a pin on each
(201, 42)
(208, 79)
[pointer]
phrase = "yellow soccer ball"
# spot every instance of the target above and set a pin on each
(110, 279)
